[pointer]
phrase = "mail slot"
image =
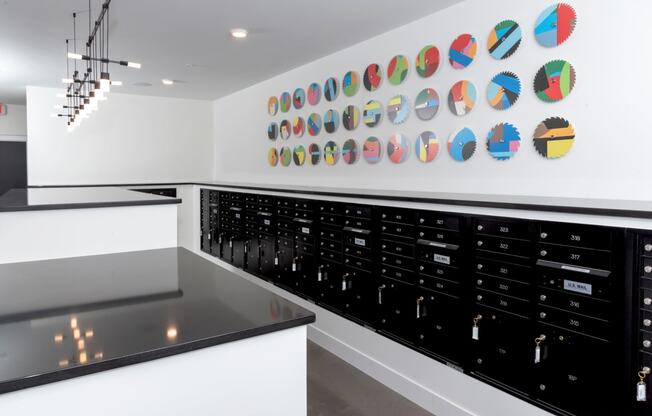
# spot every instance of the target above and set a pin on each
(329, 234)
(330, 245)
(597, 259)
(399, 230)
(303, 238)
(439, 271)
(434, 234)
(358, 223)
(575, 235)
(358, 262)
(331, 255)
(440, 285)
(359, 238)
(358, 211)
(304, 204)
(403, 216)
(502, 228)
(334, 208)
(504, 269)
(579, 323)
(398, 274)
(501, 302)
(509, 246)
(508, 287)
(328, 219)
(397, 261)
(438, 220)
(307, 215)
(303, 228)
(646, 299)
(265, 199)
(575, 283)
(403, 249)
(364, 253)
(236, 196)
(575, 303)
(284, 202)
(285, 212)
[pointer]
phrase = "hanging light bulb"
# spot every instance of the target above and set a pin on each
(105, 82)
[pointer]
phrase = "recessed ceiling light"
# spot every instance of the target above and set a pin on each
(239, 33)
(167, 81)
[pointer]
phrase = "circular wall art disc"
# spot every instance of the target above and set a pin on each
(398, 109)
(350, 83)
(504, 39)
(397, 70)
(350, 152)
(503, 141)
(285, 156)
(350, 117)
(461, 144)
(272, 131)
(462, 51)
(286, 102)
(372, 77)
(314, 93)
(554, 137)
(461, 97)
(331, 121)
(298, 126)
(427, 146)
(272, 106)
(555, 24)
(427, 61)
(315, 153)
(554, 81)
(286, 128)
(314, 124)
(299, 155)
(331, 153)
(373, 113)
(503, 91)
(299, 98)
(331, 89)
(398, 148)
(372, 150)
(427, 104)
(272, 157)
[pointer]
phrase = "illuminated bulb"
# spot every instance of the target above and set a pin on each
(239, 33)
(172, 332)
(67, 80)
(61, 95)
(58, 106)
(116, 83)
(99, 355)
(83, 357)
(73, 323)
(167, 81)
(89, 333)
(58, 338)
(133, 65)
(72, 55)
(76, 334)
(81, 344)
(63, 363)
(105, 82)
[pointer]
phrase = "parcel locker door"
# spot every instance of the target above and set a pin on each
(267, 255)
(252, 255)
(285, 257)
(395, 302)
(327, 276)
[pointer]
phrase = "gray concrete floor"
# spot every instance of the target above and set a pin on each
(336, 388)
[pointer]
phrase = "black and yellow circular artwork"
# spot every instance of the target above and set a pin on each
(331, 153)
(554, 137)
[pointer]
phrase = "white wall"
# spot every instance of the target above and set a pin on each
(131, 139)
(607, 108)
(13, 125)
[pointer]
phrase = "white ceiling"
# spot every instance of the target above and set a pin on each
(188, 40)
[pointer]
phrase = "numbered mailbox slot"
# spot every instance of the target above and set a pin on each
(503, 269)
(407, 276)
(265, 200)
(333, 208)
(304, 204)
(502, 302)
(448, 287)
(225, 203)
(304, 215)
(285, 212)
(331, 220)
(400, 230)
(304, 248)
(251, 227)
(576, 303)
(395, 247)
(442, 253)
(358, 237)
(598, 328)
(359, 211)
(330, 255)
(438, 220)
(646, 267)
(236, 204)
(237, 197)
(357, 251)
(439, 271)
(402, 262)
(330, 245)
(507, 246)
(304, 227)
(512, 288)
(251, 217)
(503, 228)
(395, 302)
(269, 209)
(575, 235)
(284, 203)
(354, 287)
(398, 215)
(330, 234)
(442, 236)
(358, 262)
(358, 223)
(224, 196)
(582, 258)
(251, 206)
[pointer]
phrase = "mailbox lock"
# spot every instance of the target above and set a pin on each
(542, 315)
(544, 235)
(647, 301)
(480, 266)
(543, 298)
(544, 253)
(647, 269)
(542, 387)
(480, 227)
(647, 322)
(479, 297)
(648, 247)
(480, 243)
(479, 282)
(647, 343)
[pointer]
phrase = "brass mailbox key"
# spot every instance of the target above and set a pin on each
(537, 349)
(419, 300)
(380, 294)
(475, 333)
(641, 386)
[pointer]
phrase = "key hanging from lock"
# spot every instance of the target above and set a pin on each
(219, 238)
(231, 242)
(537, 349)
(344, 282)
(276, 259)
(294, 264)
(380, 294)
(641, 386)
(419, 300)
(246, 247)
(475, 331)
(319, 273)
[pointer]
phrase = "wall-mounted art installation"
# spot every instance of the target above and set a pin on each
(461, 97)
(426, 104)
(272, 157)
(315, 153)
(314, 124)
(331, 153)
(299, 98)
(554, 137)
(350, 83)
(286, 102)
(461, 144)
(503, 141)
(462, 51)
(299, 155)
(285, 129)
(298, 126)
(427, 61)
(350, 152)
(504, 39)
(372, 150)
(427, 147)
(272, 131)
(351, 117)
(314, 93)
(331, 89)
(398, 109)
(554, 81)
(555, 24)
(272, 106)
(286, 156)
(503, 90)
(372, 77)
(373, 113)
(397, 69)
(398, 148)
(331, 121)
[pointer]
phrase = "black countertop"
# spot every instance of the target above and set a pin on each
(125, 308)
(34, 199)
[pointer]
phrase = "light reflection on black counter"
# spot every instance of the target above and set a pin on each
(155, 303)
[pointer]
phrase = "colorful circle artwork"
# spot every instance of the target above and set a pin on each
(299, 98)
(503, 141)
(427, 61)
(331, 89)
(461, 144)
(372, 150)
(503, 91)
(299, 155)
(285, 128)
(350, 83)
(554, 137)
(462, 51)
(331, 153)
(427, 146)
(315, 153)
(461, 98)
(331, 121)
(504, 39)
(373, 113)
(314, 124)
(427, 104)
(372, 77)
(314, 93)
(272, 106)
(350, 117)
(285, 156)
(398, 109)
(350, 152)
(554, 81)
(272, 157)
(286, 102)
(298, 126)
(398, 148)
(555, 24)
(397, 70)
(272, 131)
